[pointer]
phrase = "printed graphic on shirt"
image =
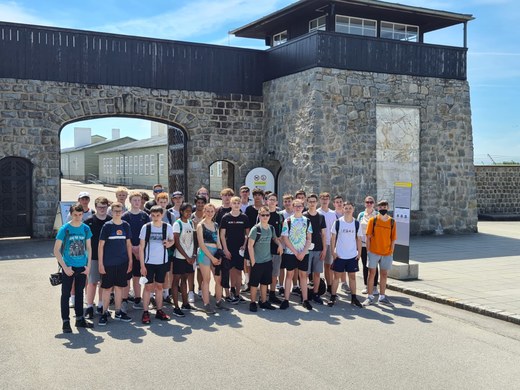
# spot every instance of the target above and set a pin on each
(297, 234)
(77, 246)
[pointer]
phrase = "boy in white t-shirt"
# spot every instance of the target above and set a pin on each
(345, 243)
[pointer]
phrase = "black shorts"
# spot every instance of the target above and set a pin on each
(237, 261)
(156, 273)
(115, 276)
(290, 262)
(181, 266)
(136, 269)
(261, 273)
(222, 270)
(345, 265)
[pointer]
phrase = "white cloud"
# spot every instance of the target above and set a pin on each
(14, 13)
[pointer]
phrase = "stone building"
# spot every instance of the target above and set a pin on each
(349, 99)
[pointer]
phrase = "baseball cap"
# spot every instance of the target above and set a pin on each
(83, 194)
(177, 193)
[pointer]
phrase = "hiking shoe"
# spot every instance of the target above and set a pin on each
(266, 305)
(285, 304)
(161, 315)
(369, 301)
(345, 288)
(274, 299)
(365, 291)
(316, 298)
(146, 318)
(177, 312)
(103, 319)
(138, 305)
(281, 291)
(66, 327)
(89, 313)
(186, 306)
(191, 297)
(208, 309)
(72, 301)
(122, 316)
(99, 310)
(375, 291)
(153, 303)
(332, 300)
(124, 307)
(296, 290)
(81, 323)
(354, 301)
(221, 305)
(307, 305)
(384, 301)
(253, 307)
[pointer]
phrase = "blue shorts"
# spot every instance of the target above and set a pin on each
(202, 258)
(345, 265)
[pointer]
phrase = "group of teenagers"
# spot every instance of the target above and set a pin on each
(162, 245)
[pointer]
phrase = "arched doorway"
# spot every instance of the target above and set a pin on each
(15, 197)
(221, 175)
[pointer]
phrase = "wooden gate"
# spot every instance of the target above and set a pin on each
(15, 197)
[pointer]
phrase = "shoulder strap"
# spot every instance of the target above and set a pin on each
(169, 217)
(336, 226)
(180, 225)
(147, 238)
(289, 225)
(356, 222)
(258, 232)
(164, 233)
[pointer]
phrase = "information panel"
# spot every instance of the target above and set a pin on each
(260, 178)
(402, 206)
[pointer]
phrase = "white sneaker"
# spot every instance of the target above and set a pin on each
(369, 301)
(375, 291)
(191, 297)
(365, 291)
(72, 301)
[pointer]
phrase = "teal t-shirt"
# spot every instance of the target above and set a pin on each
(74, 239)
(263, 245)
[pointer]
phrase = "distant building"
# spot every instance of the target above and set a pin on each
(81, 161)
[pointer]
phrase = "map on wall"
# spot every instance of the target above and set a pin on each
(397, 150)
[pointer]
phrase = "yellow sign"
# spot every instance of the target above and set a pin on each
(402, 184)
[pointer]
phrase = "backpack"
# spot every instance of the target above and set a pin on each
(391, 225)
(147, 238)
(180, 224)
(169, 217)
(289, 224)
(336, 226)
(66, 238)
(259, 232)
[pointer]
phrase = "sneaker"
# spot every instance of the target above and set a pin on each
(146, 318)
(186, 306)
(253, 307)
(103, 319)
(384, 301)
(365, 291)
(81, 323)
(161, 315)
(122, 316)
(176, 312)
(240, 299)
(266, 305)
(345, 288)
(112, 299)
(221, 305)
(281, 291)
(228, 299)
(191, 297)
(89, 313)
(375, 291)
(296, 290)
(285, 304)
(168, 300)
(316, 298)
(246, 289)
(332, 300)
(66, 327)
(200, 294)
(124, 307)
(274, 299)
(354, 301)
(369, 301)
(307, 305)
(99, 310)
(72, 301)
(208, 309)
(235, 301)
(138, 305)
(153, 302)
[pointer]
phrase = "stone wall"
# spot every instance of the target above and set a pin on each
(321, 125)
(32, 114)
(498, 189)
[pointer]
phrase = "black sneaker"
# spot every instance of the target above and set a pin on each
(285, 304)
(153, 303)
(168, 300)
(253, 307)
(89, 313)
(354, 301)
(240, 299)
(332, 301)
(316, 298)
(266, 305)
(187, 306)
(228, 299)
(122, 316)
(281, 291)
(274, 299)
(296, 290)
(307, 305)
(178, 312)
(81, 323)
(66, 327)
(99, 310)
(103, 319)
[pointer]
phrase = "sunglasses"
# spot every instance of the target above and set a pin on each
(157, 191)
(369, 202)
(264, 215)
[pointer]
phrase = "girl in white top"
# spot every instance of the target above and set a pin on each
(363, 219)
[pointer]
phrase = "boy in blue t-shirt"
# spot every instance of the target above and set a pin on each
(73, 252)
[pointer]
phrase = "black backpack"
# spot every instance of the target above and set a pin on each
(259, 232)
(147, 238)
(336, 226)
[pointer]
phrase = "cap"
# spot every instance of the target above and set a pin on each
(177, 193)
(83, 194)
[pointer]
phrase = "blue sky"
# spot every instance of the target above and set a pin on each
(493, 41)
